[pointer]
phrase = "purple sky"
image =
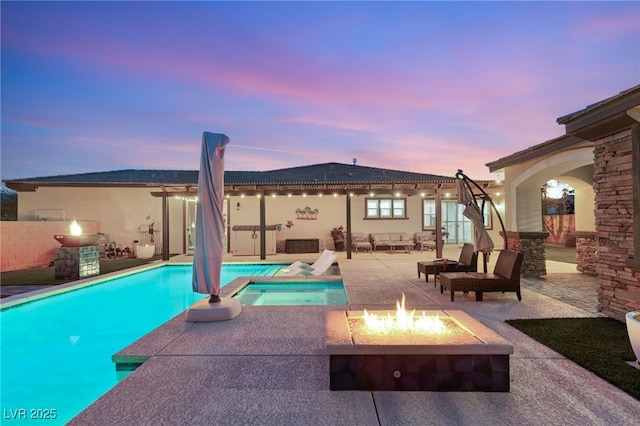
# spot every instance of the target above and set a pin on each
(427, 87)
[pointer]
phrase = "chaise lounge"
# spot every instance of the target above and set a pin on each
(467, 262)
(317, 268)
(505, 277)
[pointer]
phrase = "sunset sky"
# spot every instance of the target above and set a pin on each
(428, 87)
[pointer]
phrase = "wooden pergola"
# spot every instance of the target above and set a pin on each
(347, 190)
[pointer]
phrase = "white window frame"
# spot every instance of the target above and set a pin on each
(385, 208)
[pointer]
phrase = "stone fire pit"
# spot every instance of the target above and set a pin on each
(466, 357)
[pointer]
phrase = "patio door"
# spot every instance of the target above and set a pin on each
(458, 226)
(190, 231)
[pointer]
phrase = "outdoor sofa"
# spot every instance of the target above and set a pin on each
(392, 240)
(505, 277)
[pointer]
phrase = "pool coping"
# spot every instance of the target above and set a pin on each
(156, 340)
(22, 298)
(268, 366)
(52, 290)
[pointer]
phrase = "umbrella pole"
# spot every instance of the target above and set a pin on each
(468, 181)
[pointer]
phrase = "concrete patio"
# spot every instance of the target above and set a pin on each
(268, 366)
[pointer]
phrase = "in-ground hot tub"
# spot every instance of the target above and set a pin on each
(293, 293)
(467, 356)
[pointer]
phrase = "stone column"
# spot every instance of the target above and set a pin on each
(77, 262)
(586, 252)
(531, 244)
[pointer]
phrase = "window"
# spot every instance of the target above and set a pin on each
(486, 215)
(428, 214)
(451, 215)
(386, 208)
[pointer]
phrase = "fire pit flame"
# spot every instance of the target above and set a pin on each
(404, 321)
(75, 228)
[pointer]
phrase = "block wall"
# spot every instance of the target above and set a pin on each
(30, 244)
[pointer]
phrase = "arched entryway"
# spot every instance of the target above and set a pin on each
(566, 159)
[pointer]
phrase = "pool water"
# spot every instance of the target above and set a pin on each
(56, 351)
(293, 293)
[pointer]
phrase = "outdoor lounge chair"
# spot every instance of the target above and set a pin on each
(505, 277)
(301, 265)
(467, 262)
(319, 267)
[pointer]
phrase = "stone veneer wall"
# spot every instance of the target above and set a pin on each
(77, 262)
(586, 248)
(531, 244)
(618, 285)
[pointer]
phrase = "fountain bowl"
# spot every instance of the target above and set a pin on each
(77, 240)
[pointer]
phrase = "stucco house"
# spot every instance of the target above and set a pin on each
(267, 212)
(599, 156)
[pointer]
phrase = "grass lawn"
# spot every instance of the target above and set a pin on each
(46, 276)
(560, 254)
(600, 345)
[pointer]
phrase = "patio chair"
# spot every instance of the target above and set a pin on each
(360, 242)
(505, 277)
(318, 268)
(467, 262)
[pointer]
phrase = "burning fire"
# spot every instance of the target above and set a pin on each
(75, 228)
(404, 321)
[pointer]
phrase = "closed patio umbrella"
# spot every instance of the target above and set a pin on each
(482, 241)
(208, 251)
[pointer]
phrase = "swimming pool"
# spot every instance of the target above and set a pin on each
(56, 351)
(293, 293)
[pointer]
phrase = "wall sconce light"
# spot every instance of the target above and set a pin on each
(238, 206)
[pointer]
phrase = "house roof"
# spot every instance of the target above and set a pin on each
(536, 151)
(593, 122)
(315, 177)
(603, 118)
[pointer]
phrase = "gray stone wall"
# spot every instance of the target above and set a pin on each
(531, 244)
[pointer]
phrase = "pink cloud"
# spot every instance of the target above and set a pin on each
(607, 28)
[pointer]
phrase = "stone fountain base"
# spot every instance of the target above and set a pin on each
(77, 262)
(468, 357)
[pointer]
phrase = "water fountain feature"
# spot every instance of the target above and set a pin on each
(79, 256)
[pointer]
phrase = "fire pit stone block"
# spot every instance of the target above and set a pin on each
(470, 357)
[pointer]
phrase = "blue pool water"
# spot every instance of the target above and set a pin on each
(56, 351)
(293, 293)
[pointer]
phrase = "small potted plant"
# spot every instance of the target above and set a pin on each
(338, 237)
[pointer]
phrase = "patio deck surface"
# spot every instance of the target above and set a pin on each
(268, 366)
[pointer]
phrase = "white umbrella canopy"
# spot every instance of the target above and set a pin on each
(482, 241)
(464, 195)
(209, 244)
